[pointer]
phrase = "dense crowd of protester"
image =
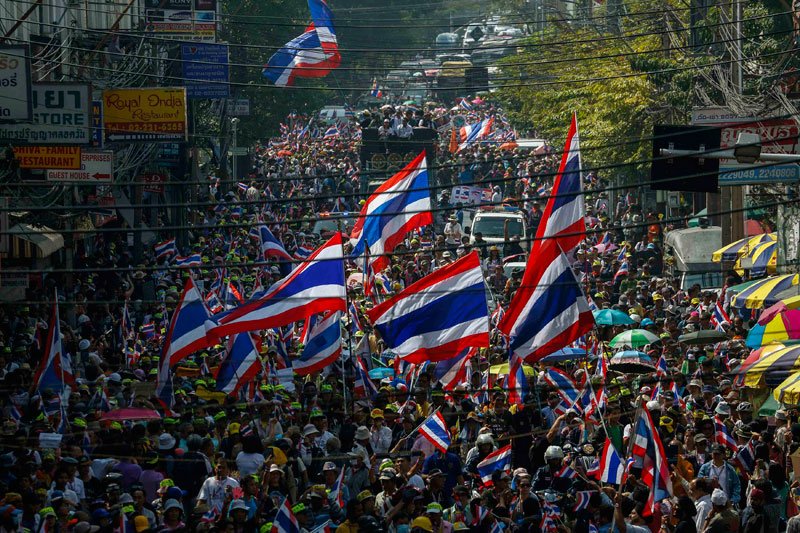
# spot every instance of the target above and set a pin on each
(355, 462)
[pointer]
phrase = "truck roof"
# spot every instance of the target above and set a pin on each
(694, 245)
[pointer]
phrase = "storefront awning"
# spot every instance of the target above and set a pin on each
(45, 239)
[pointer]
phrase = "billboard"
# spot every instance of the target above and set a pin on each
(145, 115)
(63, 157)
(61, 115)
(188, 20)
(207, 66)
(15, 82)
(778, 136)
(96, 166)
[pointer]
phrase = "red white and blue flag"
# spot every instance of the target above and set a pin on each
(655, 470)
(516, 383)
(719, 317)
(376, 92)
(315, 286)
(611, 466)
(165, 249)
(240, 366)
(497, 460)
(364, 387)
(439, 315)
(453, 372)
(723, 435)
(401, 204)
(472, 133)
(271, 246)
(323, 344)
(190, 261)
(335, 495)
(582, 499)
(55, 370)
(622, 271)
(435, 430)
(312, 54)
(285, 521)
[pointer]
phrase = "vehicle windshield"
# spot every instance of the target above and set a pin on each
(493, 226)
(704, 279)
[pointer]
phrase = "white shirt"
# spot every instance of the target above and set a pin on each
(381, 440)
(213, 491)
(248, 463)
(453, 232)
(404, 132)
(703, 506)
(720, 475)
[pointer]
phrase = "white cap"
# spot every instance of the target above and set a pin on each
(653, 405)
(718, 497)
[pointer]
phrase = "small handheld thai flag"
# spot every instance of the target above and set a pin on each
(285, 521)
(622, 271)
(567, 472)
(611, 467)
(194, 260)
(497, 460)
(435, 430)
(465, 105)
(582, 499)
(242, 186)
(335, 494)
(165, 249)
(723, 435)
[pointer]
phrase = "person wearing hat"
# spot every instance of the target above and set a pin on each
(722, 518)
(354, 511)
(172, 515)
(217, 487)
(421, 524)
(380, 438)
(434, 512)
(719, 470)
(330, 474)
(453, 231)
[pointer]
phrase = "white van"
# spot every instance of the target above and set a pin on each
(490, 223)
(331, 113)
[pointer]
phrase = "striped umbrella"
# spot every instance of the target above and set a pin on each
(764, 259)
(765, 292)
(734, 250)
(633, 338)
(775, 367)
(752, 359)
(788, 392)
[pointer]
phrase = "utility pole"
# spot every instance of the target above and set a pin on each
(234, 125)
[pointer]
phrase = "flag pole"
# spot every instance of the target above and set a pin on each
(349, 336)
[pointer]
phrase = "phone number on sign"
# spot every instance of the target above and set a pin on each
(762, 174)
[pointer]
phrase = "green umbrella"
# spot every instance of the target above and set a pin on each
(612, 317)
(410, 102)
(633, 338)
(704, 336)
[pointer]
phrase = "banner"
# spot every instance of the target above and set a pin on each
(470, 195)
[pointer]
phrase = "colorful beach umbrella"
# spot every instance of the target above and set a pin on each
(763, 258)
(765, 292)
(783, 327)
(774, 367)
(631, 362)
(612, 317)
(633, 338)
(734, 250)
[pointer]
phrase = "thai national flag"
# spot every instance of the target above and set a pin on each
(582, 499)
(15, 413)
(240, 365)
(322, 346)
(355, 321)
(480, 515)
(567, 472)
(465, 105)
(435, 430)
(271, 246)
(55, 370)
(452, 372)
(335, 493)
(303, 252)
(562, 384)
(186, 332)
(472, 133)
(315, 286)
(194, 260)
(165, 249)
(364, 387)
(611, 466)
(622, 271)
(661, 367)
(242, 186)
(401, 204)
(312, 54)
(285, 521)
(516, 383)
(745, 458)
(723, 435)
(437, 316)
(376, 92)
(148, 330)
(497, 460)
(719, 317)
(622, 253)
(655, 473)
(541, 190)
(331, 132)
(324, 528)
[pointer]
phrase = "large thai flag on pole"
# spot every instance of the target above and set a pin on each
(55, 369)
(452, 372)
(240, 366)
(323, 344)
(316, 286)
(563, 216)
(439, 315)
(719, 317)
(312, 54)
(562, 384)
(435, 430)
(497, 460)
(401, 204)
(549, 311)
(655, 471)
